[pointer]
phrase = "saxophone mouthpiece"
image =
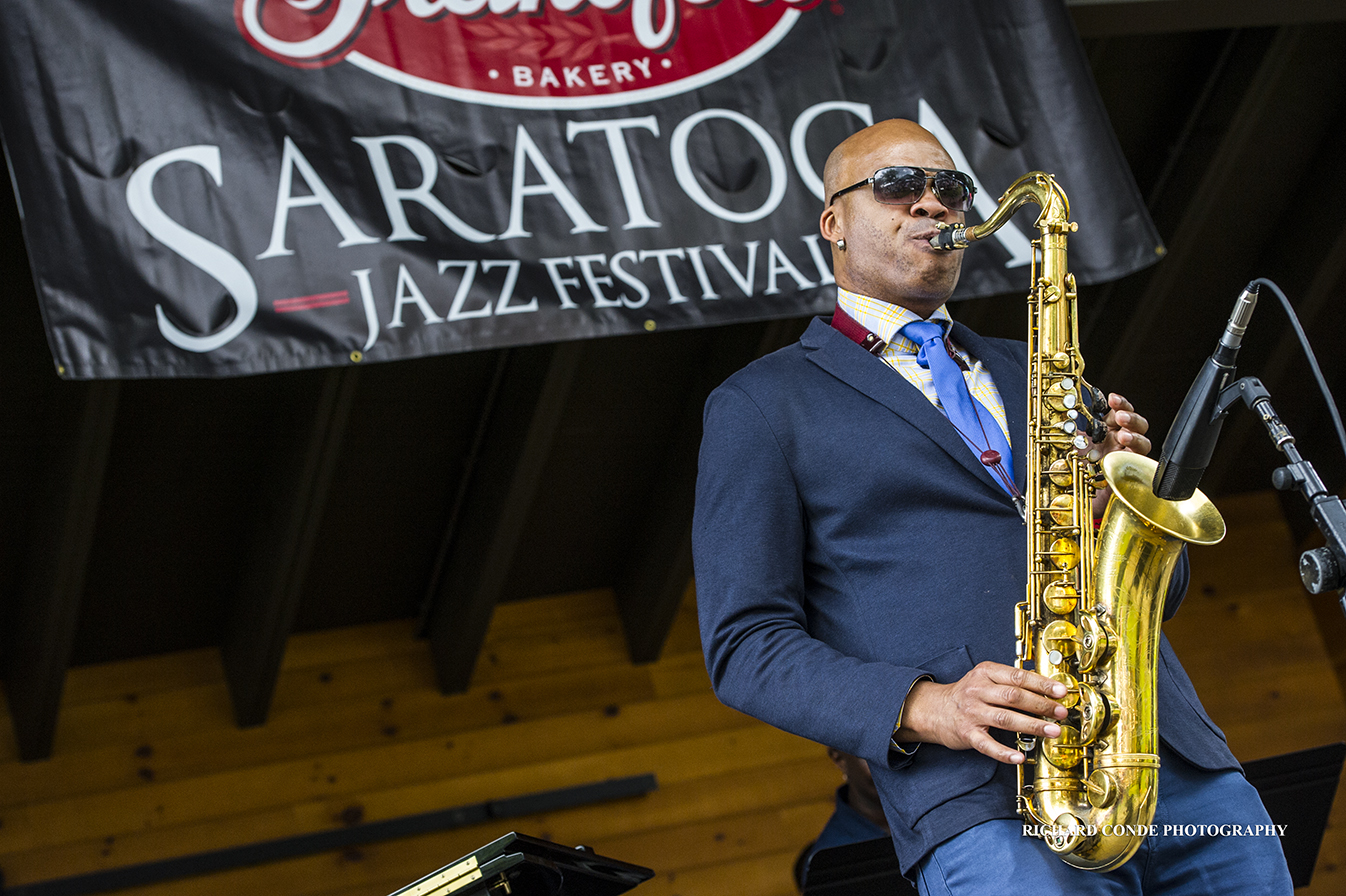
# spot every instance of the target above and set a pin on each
(950, 236)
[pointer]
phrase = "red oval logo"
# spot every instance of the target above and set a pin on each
(526, 53)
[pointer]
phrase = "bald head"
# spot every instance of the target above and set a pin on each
(866, 151)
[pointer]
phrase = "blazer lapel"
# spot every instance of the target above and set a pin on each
(851, 364)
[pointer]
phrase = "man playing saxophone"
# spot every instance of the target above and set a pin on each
(859, 547)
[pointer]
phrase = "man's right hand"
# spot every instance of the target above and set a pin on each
(960, 715)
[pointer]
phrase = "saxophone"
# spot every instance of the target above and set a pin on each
(1095, 598)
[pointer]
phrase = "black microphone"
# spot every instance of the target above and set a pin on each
(1191, 440)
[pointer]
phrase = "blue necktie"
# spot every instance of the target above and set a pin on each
(974, 422)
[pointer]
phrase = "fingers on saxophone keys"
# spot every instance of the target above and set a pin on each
(998, 751)
(1040, 687)
(1019, 723)
(1130, 420)
(984, 743)
(1023, 700)
(1134, 442)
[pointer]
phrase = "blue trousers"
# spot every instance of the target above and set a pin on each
(1187, 860)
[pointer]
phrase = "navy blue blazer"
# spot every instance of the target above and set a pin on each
(847, 543)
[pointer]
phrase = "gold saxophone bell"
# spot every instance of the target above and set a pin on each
(1095, 599)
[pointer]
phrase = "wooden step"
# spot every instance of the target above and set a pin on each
(736, 752)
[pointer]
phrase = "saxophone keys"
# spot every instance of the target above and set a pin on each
(1065, 554)
(1095, 641)
(1060, 639)
(1061, 395)
(1072, 697)
(1062, 510)
(1061, 597)
(1067, 834)
(1094, 714)
(1064, 751)
(1102, 789)
(1059, 473)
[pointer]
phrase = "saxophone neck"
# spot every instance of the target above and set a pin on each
(1036, 187)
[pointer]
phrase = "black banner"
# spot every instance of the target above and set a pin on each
(211, 189)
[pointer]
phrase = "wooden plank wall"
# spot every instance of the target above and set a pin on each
(148, 764)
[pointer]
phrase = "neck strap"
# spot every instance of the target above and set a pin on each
(852, 329)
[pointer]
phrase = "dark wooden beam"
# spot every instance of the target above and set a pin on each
(1243, 425)
(515, 435)
(1270, 122)
(658, 569)
(1104, 18)
(38, 643)
(263, 614)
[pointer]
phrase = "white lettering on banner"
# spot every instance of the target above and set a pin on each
(624, 166)
(1009, 236)
(779, 263)
(702, 278)
(661, 257)
(456, 311)
(371, 314)
(749, 273)
(525, 150)
(594, 281)
(600, 74)
(409, 293)
(618, 271)
(582, 280)
(227, 270)
(292, 158)
(621, 161)
(653, 22)
(560, 283)
(393, 195)
(816, 253)
(629, 278)
(799, 133)
(503, 304)
(682, 167)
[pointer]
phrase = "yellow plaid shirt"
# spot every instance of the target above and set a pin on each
(886, 321)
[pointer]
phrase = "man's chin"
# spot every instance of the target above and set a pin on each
(933, 291)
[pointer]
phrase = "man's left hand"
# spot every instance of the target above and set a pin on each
(1126, 432)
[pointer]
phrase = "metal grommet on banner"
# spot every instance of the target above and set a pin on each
(357, 356)
(650, 325)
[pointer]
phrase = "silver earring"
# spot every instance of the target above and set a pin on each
(841, 244)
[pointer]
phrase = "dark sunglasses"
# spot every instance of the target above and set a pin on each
(905, 185)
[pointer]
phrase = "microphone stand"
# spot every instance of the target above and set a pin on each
(1320, 569)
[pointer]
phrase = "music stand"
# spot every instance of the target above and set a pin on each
(1297, 789)
(868, 868)
(520, 865)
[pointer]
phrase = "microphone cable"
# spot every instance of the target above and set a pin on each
(1312, 360)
